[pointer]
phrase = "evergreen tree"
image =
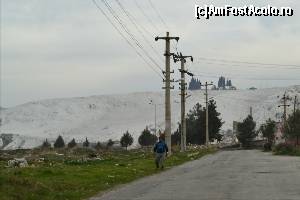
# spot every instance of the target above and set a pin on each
(46, 144)
(86, 143)
(72, 143)
(268, 130)
(246, 131)
(194, 84)
(126, 140)
(195, 123)
(292, 127)
(59, 143)
(110, 143)
(222, 82)
(146, 138)
(198, 85)
(214, 121)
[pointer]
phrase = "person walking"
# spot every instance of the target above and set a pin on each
(161, 151)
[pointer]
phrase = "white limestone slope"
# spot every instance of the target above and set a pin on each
(109, 116)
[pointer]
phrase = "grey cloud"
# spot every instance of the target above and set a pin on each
(59, 48)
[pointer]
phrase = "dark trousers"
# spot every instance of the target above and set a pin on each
(159, 159)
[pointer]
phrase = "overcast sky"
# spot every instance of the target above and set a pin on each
(67, 48)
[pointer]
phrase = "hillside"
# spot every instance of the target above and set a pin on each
(109, 116)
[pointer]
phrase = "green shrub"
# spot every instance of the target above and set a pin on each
(287, 149)
(146, 138)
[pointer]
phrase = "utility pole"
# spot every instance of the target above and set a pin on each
(296, 104)
(284, 105)
(182, 59)
(167, 88)
(152, 103)
(155, 130)
(206, 121)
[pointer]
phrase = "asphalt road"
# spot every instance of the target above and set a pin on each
(237, 175)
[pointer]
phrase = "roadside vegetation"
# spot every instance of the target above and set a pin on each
(292, 134)
(286, 149)
(79, 173)
(78, 170)
(268, 131)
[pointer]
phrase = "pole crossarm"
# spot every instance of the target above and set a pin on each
(167, 38)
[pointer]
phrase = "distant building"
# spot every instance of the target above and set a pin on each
(253, 88)
(214, 87)
(232, 88)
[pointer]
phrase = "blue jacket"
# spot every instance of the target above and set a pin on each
(160, 146)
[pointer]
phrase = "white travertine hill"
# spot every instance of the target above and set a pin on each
(108, 116)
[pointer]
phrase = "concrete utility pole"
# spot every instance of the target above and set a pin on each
(167, 88)
(284, 105)
(182, 59)
(296, 104)
(206, 121)
(152, 103)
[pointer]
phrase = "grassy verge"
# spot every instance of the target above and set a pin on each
(71, 176)
(286, 149)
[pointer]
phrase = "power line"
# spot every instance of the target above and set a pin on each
(246, 78)
(145, 15)
(251, 63)
(252, 66)
(140, 24)
(151, 22)
(133, 21)
(247, 66)
(124, 27)
(159, 16)
(124, 37)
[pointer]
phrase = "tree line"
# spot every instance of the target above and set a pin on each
(247, 132)
(195, 121)
(145, 139)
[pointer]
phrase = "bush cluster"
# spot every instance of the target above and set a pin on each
(287, 149)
